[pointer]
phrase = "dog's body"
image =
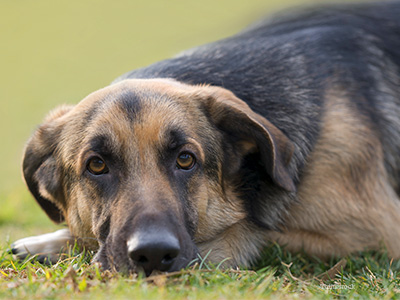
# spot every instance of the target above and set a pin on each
(287, 132)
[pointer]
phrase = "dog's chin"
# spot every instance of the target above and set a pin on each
(116, 259)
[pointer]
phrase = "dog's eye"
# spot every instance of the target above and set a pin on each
(97, 166)
(185, 161)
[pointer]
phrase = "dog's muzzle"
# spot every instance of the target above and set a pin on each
(153, 249)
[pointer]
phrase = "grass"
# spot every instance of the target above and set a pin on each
(367, 274)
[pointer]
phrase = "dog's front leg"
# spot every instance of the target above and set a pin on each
(46, 247)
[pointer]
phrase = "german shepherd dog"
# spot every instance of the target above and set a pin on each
(288, 132)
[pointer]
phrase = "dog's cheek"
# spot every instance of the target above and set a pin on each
(101, 217)
(218, 208)
(90, 206)
(80, 213)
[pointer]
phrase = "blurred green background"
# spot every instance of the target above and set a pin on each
(55, 52)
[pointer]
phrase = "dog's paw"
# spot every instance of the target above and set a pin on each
(47, 248)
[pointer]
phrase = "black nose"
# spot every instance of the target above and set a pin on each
(153, 251)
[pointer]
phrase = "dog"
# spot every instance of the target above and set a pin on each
(287, 132)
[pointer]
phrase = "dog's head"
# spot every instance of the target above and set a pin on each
(156, 170)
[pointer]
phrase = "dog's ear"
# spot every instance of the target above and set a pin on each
(252, 131)
(40, 169)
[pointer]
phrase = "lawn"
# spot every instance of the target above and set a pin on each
(55, 52)
(365, 275)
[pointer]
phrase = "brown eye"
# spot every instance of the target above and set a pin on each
(97, 166)
(185, 161)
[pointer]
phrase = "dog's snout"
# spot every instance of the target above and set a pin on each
(153, 251)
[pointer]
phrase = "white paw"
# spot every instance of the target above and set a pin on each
(46, 247)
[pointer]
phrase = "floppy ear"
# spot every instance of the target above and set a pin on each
(41, 172)
(235, 117)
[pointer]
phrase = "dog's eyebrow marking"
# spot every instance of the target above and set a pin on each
(176, 138)
(103, 145)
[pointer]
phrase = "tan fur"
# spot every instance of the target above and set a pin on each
(346, 206)
(238, 245)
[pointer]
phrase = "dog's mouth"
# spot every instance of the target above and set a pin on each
(153, 250)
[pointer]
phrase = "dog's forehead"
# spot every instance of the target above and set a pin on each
(137, 98)
(138, 89)
(140, 112)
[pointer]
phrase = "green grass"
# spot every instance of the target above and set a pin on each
(368, 274)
